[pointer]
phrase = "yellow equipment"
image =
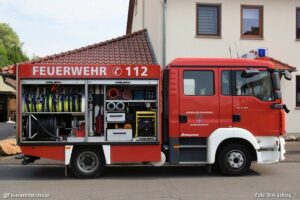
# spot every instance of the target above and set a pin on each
(145, 124)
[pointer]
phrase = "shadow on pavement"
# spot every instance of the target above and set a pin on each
(114, 172)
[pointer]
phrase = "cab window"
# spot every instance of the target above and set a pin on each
(259, 85)
(198, 83)
(226, 83)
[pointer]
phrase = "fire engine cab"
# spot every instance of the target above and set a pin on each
(222, 112)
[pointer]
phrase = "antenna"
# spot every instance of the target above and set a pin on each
(237, 52)
(230, 52)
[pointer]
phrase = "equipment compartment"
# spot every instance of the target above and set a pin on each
(126, 103)
(89, 111)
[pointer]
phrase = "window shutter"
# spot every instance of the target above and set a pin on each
(298, 18)
(207, 20)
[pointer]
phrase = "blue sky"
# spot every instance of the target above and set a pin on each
(51, 26)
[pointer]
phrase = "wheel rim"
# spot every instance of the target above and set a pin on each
(235, 159)
(87, 162)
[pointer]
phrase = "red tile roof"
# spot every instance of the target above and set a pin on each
(133, 48)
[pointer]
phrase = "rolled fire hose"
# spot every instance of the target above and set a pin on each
(33, 103)
(55, 102)
(60, 103)
(69, 99)
(120, 106)
(110, 106)
(66, 104)
(39, 104)
(78, 103)
(50, 103)
(73, 105)
(27, 103)
(113, 93)
(127, 94)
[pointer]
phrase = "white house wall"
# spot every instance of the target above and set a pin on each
(152, 21)
(279, 36)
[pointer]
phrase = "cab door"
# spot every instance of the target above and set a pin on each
(226, 98)
(252, 104)
(198, 101)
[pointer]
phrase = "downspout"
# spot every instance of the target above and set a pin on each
(164, 34)
(143, 16)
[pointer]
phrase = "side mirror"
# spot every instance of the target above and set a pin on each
(249, 73)
(287, 75)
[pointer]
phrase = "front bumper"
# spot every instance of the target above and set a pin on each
(271, 150)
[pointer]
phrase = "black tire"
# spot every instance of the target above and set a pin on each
(87, 162)
(234, 160)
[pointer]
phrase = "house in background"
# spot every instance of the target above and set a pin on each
(7, 101)
(222, 28)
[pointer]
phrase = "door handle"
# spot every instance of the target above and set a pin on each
(236, 118)
(182, 119)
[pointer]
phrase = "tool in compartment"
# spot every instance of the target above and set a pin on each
(90, 104)
(145, 124)
(100, 122)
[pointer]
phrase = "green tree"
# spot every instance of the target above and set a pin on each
(10, 46)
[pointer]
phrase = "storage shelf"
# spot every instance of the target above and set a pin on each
(111, 122)
(54, 113)
(133, 101)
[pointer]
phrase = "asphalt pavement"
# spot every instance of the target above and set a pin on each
(46, 179)
(7, 130)
(164, 183)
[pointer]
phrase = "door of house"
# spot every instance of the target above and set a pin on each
(3, 107)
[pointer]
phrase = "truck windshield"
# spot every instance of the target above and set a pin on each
(259, 85)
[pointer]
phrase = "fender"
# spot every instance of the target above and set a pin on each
(69, 152)
(221, 134)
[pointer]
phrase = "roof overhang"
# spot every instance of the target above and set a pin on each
(279, 65)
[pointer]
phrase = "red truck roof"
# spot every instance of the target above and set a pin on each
(221, 62)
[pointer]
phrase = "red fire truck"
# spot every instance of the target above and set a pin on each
(222, 112)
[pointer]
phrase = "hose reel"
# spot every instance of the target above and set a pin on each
(42, 127)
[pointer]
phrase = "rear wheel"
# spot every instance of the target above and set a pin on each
(87, 163)
(234, 160)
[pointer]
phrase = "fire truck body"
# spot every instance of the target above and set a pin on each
(226, 112)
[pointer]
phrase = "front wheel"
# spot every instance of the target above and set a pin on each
(87, 163)
(234, 160)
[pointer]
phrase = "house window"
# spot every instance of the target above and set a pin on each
(208, 20)
(198, 83)
(298, 23)
(252, 21)
(298, 91)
